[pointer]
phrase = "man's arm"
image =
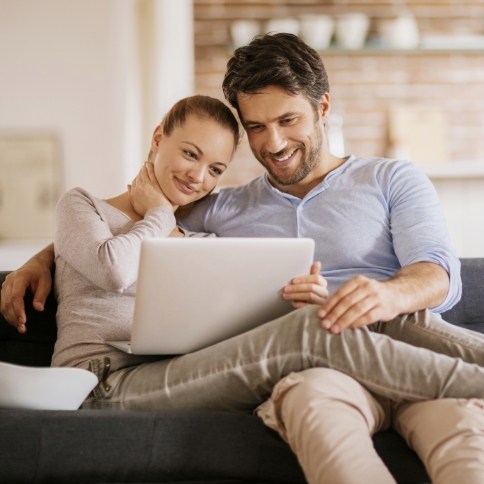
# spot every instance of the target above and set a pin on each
(362, 301)
(35, 275)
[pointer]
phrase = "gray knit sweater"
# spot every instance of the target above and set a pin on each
(97, 250)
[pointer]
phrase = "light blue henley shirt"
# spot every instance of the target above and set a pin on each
(369, 216)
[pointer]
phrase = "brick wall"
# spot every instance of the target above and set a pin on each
(366, 83)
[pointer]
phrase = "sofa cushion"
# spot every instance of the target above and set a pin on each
(117, 446)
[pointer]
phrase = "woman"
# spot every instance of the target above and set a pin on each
(97, 245)
(97, 242)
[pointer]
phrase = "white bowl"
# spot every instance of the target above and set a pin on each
(351, 30)
(316, 30)
(44, 388)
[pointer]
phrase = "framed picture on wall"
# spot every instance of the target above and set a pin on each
(30, 184)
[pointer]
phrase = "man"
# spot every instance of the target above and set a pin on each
(377, 225)
(372, 219)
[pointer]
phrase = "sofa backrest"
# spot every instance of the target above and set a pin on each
(35, 347)
(469, 312)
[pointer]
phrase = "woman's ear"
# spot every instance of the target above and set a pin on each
(156, 138)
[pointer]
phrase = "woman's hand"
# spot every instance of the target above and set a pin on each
(309, 289)
(145, 192)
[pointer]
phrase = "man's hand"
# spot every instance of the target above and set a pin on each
(145, 192)
(359, 302)
(35, 275)
(362, 301)
(308, 289)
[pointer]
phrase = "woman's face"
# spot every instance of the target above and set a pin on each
(189, 162)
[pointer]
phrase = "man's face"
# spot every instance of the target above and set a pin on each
(285, 135)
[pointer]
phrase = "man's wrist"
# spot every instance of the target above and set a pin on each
(45, 257)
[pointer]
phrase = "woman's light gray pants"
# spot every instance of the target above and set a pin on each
(414, 357)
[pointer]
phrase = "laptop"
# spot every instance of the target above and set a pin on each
(194, 292)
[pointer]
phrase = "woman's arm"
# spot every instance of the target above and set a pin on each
(107, 254)
(36, 275)
(87, 241)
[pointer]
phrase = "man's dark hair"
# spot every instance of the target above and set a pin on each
(282, 60)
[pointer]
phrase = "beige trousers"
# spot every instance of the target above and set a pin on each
(328, 419)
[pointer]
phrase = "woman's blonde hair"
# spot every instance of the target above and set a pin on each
(203, 107)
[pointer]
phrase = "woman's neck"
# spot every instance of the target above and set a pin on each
(122, 203)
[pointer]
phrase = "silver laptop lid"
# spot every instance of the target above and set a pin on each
(193, 292)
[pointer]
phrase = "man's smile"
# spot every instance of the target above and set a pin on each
(283, 159)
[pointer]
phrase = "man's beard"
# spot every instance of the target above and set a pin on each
(308, 163)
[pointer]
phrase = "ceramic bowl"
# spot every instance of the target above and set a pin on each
(44, 388)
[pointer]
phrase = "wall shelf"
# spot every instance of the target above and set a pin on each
(458, 170)
(430, 44)
(375, 50)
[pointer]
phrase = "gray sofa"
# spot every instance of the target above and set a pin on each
(100, 446)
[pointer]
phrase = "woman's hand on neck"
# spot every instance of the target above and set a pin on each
(145, 192)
